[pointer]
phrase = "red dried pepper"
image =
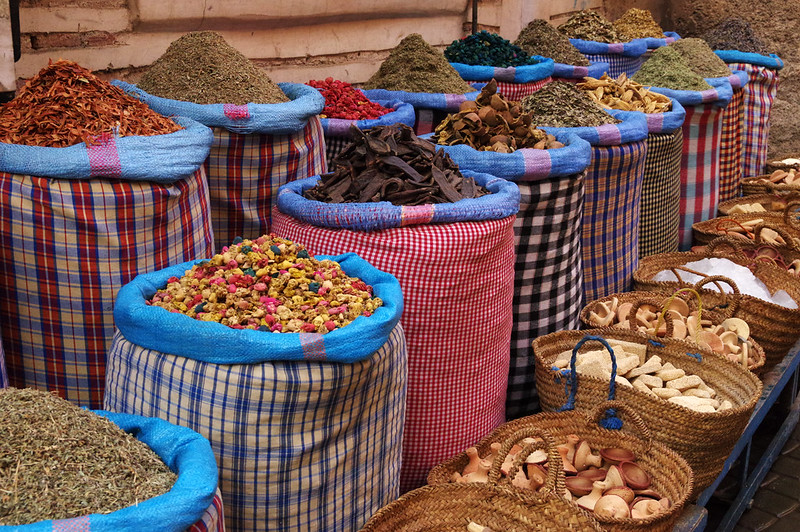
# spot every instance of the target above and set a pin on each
(342, 100)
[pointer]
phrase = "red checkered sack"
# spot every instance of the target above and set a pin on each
(213, 519)
(515, 92)
(730, 147)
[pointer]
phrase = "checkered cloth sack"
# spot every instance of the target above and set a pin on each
(69, 242)
(3, 374)
(730, 146)
(513, 83)
(257, 148)
(429, 108)
(457, 275)
(213, 519)
(306, 428)
(548, 276)
(621, 57)
(759, 94)
(575, 74)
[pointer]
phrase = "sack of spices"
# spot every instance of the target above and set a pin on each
(265, 134)
(731, 147)
(3, 372)
(294, 368)
(106, 191)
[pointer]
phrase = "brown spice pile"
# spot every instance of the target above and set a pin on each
(638, 24)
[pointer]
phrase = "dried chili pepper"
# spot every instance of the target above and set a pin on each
(342, 100)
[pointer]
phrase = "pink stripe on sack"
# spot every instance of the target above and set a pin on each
(616, 48)
(235, 112)
(103, 156)
(609, 135)
(655, 121)
(313, 346)
(505, 73)
(416, 214)
(77, 524)
(537, 162)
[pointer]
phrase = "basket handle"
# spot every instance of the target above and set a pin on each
(789, 218)
(594, 415)
(731, 304)
(544, 441)
(631, 317)
(712, 247)
(790, 243)
(665, 308)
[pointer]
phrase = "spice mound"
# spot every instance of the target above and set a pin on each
(541, 38)
(638, 24)
(624, 94)
(201, 67)
(667, 68)
(342, 100)
(59, 461)
(735, 34)
(491, 123)
(485, 48)
(65, 104)
(701, 58)
(390, 163)
(269, 284)
(416, 66)
(562, 104)
(590, 26)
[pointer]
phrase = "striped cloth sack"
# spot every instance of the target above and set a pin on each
(3, 373)
(513, 83)
(730, 145)
(613, 188)
(621, 57)
(306, 428)
(659, 208)
(759, 93)
(76, 224)
(337, 130)
(213, 519)
(653, 43)
(575, 74)
(455, 263)
(186, 453)
(548, 274)
(257, 148)
(429, 108)
(702, 134)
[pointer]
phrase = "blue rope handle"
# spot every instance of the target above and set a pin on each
(610, 419)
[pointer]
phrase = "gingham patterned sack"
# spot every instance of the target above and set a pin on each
(548, 275)
(575, 74)
(700, 164)
(613, 188)
(759, 93)
(730, 146)
(514, 83)
(337, 130)
(257, 148)
(185, 452)
(621, 56)
(457, 277)
(429, 108)
(306, 428)
(68, 244)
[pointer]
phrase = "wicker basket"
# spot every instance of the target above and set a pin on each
(756, 251)
(450, 507)
(770, 202)
(704, 440)
(774, 327)
(707, 230)
(760, 184)
(672, 476)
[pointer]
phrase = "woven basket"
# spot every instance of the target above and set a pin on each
(704, 440)
(770, 202)
(724, 311)
(450, 507)
(671, 475)
(760, 184)
(708, 230)
(774, 327)
(778, 255)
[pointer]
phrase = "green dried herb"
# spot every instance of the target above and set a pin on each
(562, 104)
(638, 24)
(735, 34)
(668, 68)
(485, 48)
(590, 26)
(541, 38)
(201, 67)
(416, 66)
(59, 461)
(701, 58)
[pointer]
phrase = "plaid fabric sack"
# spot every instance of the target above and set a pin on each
(213, 519)
(700, 164)
(306, 428)
(337, 130)
(575, 74)
(3, 374)
(548, 274)
(455, 263)
(613, 188)
(429, 108)
(514, 83)
(185, 452)
(730, 146)
(759, 93)
(257, 148)
(74, 229)
(621, 56)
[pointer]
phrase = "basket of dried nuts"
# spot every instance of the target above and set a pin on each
(779, 181)
(754, 203)
(777, 226)
(624, 94)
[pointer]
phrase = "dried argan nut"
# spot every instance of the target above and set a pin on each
(468, 105)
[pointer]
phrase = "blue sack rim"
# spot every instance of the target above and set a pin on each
(634, 48)
(424, 100)
(735, 56)
(594, 70)
(633, 128)
(520, 74)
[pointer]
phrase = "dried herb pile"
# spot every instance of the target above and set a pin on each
(562, 104)
(541, 38)
(59, 461)
(65, 104)
(701, 58)
(201, 67)
(491, 123)
(590, 26)
(735, 34)
(416, 66)
(390, 163)
(486, 48)
(668, 68)
(638, 24)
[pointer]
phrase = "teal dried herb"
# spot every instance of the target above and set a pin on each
(485, 48)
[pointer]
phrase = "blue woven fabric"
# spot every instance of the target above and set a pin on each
(594, 70)
(424, 100)
(738, 79)
(653, 42)
(632, 128)
(719, 94)
(519, 74)
(403, 113)
(735, 56)
(185, 452)
(273, 118)
(167, 332)
(658, 122)
(179, 155)
(634, 48)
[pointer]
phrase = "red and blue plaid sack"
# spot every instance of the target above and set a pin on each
(730, 146)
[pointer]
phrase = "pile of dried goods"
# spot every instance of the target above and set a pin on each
(541, 38)
(342, 100)
(735, 34)
(65, 104)
(638, 24)
(667, 68)
(624, 94)
(562, 104)
(701, 58)
(201, 67)
(590, 26)
(779, 177)
(485, 48)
